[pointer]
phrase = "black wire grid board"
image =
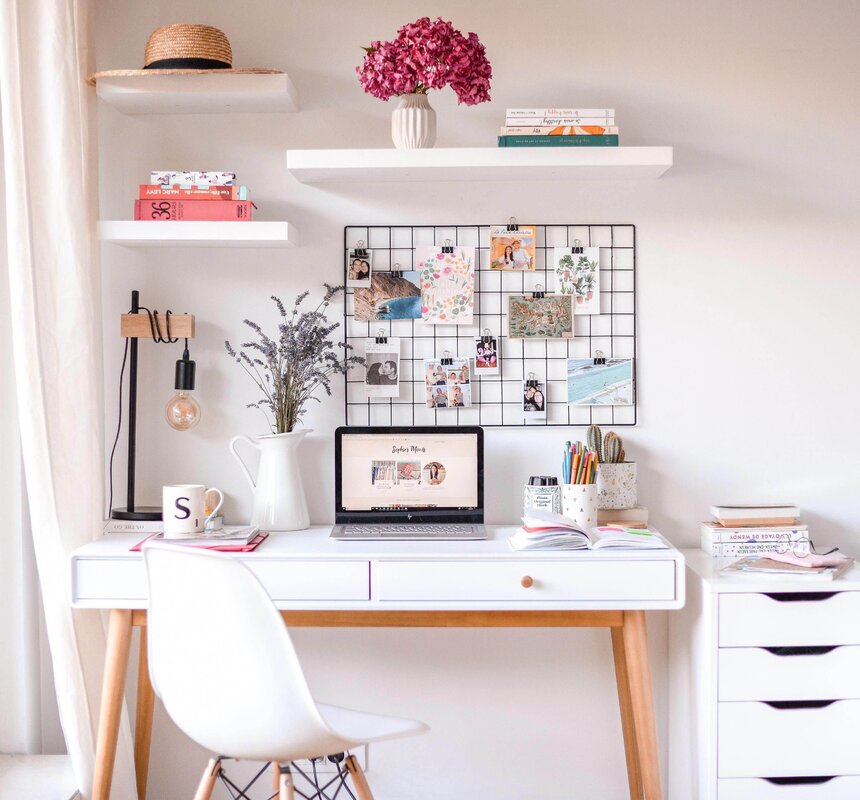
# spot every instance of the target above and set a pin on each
(496, 399)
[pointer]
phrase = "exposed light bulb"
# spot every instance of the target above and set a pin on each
(182, 410)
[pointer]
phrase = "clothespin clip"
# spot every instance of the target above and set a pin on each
(487, 336)
(538, 291)
(360, 250)
(599, 358)
(397, 272)
(381, 338)
(512, 223)
(577, 247)
(446, 360)
(532, 381)
(448, 246)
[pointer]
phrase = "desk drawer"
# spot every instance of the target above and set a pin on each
(789, 619)
(314, 580)
(551, 580)
(755, 739)
(839, 788)
(789, 673)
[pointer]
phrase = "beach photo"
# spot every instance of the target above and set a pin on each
(382, 367)
(359, 265)
(433, 474)
(607, 384)
(408, 472)
(548, 317)
(578, 274)
(390, 296)
(513, 249)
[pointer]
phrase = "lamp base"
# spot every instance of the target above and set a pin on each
(140, 514)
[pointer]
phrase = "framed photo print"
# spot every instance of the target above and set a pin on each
(534, 399)
(600, 381)
(359, 266)
(540, 317)
(577, 273)
(392, 295)
(382, 368)
(512, 247)
(448, 383)
(486, 355)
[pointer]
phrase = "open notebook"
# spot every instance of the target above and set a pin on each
(544, 530)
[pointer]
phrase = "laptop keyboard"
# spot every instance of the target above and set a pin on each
(436, 531)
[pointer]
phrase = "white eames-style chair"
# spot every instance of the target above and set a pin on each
(223, 664)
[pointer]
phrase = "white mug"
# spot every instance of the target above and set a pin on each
(183, 508)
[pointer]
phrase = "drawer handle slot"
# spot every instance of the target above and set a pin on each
(800, 597)
(784, 705)
(800, 651)
(812, 780)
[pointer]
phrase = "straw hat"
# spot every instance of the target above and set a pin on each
(184, 50)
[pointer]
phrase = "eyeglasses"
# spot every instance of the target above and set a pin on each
(801, 548)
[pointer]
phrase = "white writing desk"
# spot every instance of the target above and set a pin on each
(318, 582)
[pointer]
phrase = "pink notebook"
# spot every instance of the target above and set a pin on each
(221, 548)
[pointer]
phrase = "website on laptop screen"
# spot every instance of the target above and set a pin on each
(386, 472)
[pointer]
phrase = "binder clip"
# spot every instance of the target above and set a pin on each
(532, 381)
(360, 251)
(538, 291)
(448, 246)
(599, 358)
(512, 224)
(487, 336)
(397, 272)
(577, 248)
(381, 338)
(446, 360)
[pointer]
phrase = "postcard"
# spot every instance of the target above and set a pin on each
(448, 385)
(391, 295)
(534, 399)
(486, 356)
(447, 284)
(600, 384)
(359, 264)
(547, 317)
(382, 368)
(578, 274)
(513, 249)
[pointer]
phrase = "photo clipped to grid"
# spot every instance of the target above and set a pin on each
(496, 399)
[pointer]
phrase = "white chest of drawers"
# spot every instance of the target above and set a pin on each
(764, 688)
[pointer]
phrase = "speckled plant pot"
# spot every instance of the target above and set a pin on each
(616, 486)
(579, 503)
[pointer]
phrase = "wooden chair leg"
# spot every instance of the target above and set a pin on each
(285, 789)
(628, 729)
(276, 776)
(207, 782)
(635, 637)
(143, 719)
(362, 789)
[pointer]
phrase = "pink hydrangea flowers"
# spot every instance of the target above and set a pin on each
(427, 55)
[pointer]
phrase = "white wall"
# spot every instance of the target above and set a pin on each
(747, 326)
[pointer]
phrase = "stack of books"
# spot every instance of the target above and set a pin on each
(192, 197)
(559, 127)
(751, 530)
(546, 530)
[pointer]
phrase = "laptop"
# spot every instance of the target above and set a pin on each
(409, 483)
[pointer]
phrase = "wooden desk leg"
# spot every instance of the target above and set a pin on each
(635, 638)
(628, 728)
(143, 718)
(113, 685)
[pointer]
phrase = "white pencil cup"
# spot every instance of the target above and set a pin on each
(579, 503)
(616, 485)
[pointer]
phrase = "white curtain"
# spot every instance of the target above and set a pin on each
(55, 317)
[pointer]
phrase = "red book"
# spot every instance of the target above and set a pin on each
(154, 191)
(221, 548)
(192, 210)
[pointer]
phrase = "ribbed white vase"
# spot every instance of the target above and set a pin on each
(413, 123)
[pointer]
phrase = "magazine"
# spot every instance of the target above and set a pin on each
(546, 530)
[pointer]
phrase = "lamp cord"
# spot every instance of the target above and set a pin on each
(118, 429)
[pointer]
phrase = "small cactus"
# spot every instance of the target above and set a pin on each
(613, 448)
(595, 441)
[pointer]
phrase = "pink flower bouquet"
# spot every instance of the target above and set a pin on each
(427, 55)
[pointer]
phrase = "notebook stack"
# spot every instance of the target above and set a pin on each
(192, 197)
(738, 531)
(559, 127)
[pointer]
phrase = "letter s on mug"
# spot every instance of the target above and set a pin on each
(186, 511)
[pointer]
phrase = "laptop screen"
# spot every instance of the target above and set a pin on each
(391, 471)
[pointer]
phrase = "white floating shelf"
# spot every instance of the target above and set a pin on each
(209, 93)
(174, 233)
(479, 164)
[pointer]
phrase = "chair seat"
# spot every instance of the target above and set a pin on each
(359, 726)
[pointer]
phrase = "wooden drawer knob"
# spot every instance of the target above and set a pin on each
(527, 582)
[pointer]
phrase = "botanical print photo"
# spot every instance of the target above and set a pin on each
(534, 399)
(392, 295)
(486, 356)
(447, 284)
(513, 249)
(600, 384)
(382, 368)
(547, 317)
(578, 274)
(448, 384)
(359, 265)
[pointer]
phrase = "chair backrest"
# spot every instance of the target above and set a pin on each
(221, 658)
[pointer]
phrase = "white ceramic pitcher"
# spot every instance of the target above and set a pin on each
(279, 498)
